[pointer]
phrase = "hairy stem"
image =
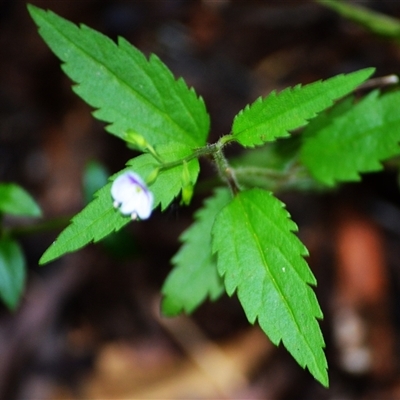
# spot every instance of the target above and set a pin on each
(208, 150)
(225, 171)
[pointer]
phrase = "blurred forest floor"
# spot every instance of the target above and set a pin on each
(89, 324)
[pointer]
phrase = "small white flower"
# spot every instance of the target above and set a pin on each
(132, 196)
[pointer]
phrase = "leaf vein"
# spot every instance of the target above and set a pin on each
(276, 285)
(123, 82)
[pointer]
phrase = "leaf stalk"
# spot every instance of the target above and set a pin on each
(215, 150)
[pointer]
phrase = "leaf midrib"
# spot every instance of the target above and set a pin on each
(177, 83)
(123, 81)
(286, 111)
(277, 287)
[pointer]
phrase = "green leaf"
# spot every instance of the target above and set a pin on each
(93, 223)
(272, 117)
(355, 141)
(12, 272)
(195, 276)
(374, 21)
(325, 118)
(129, 92)
(261, 259)
(17, 201)
(99, 218)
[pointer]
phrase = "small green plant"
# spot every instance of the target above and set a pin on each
(242, 240)
(15, 201)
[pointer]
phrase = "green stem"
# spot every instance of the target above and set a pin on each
(214, 150)
(261, 171)
(152, 151)
(225, 171)
(208, 150)
(295, 177)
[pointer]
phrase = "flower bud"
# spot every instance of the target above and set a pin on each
(136, 140)
(187, 186)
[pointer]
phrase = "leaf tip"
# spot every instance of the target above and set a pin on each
(35, 211)
(323, 377)
(370, 70)
(47, 256)
(170, 307)
(364, 73)
(35, 11)
(31, 8)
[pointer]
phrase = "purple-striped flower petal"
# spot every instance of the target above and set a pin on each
(132, 196)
